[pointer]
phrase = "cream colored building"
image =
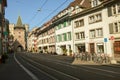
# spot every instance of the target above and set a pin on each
(46, 38)
(97, 30)
(84, 26)
(31, 41)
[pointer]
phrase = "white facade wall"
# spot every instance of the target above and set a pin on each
(64, 43)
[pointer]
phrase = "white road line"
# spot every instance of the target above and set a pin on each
(26, 70)
(54, 70)
(67, 64)
(40, 70)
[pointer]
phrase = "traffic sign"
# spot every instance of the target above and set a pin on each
(112, 38)
(5, 33)
(105, 39)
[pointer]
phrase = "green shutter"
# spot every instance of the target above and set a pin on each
(109, 11)
(64, 24)
(59, 26)
(111, 28)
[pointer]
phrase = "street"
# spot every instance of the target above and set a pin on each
(55, 67)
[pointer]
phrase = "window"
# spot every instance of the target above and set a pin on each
(82, 35)
(69, 22)
(114, 27)
(96, 33)
(92, 33)
(65, 37)
(99, 32)
(114, 9)
(95, 18)
(77, 36)
(100, 48)
(98, 17)
(118, 7)
(91, 19)
(94, 3)
(79, 23)
(76, 24)
(69, 35)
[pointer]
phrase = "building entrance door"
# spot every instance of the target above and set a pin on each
(92, 48)
(117, 48)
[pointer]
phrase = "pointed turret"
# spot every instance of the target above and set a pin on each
(19, 22)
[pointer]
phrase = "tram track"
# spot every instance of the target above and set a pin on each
(45, 63)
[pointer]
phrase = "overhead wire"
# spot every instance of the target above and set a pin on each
(52, 12)
(38, 11)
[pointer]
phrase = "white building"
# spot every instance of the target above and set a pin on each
(95, 31)
(64, 28)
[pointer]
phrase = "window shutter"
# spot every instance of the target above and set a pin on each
(109, 11)
(111, 28)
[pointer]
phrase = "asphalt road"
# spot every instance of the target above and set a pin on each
(54, 67)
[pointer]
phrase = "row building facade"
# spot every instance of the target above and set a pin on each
(84, 26)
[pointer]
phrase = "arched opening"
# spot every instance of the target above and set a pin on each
(19, 48)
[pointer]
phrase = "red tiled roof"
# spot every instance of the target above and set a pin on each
(82, 3)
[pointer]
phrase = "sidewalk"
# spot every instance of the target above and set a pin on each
(10, 70)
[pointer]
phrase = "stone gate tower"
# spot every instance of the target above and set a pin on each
(20, 36)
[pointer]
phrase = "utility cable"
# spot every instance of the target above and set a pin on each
(38, 11)
(52, 12)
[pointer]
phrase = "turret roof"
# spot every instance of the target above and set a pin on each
(19, 22)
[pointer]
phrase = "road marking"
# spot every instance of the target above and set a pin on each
(53, 70)
(26, 70)
(39, 69)
(68, 64)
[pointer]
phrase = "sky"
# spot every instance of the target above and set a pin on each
(34, 12)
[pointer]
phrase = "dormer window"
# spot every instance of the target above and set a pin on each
(76, 7)
(94, 3)
(72, 8)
